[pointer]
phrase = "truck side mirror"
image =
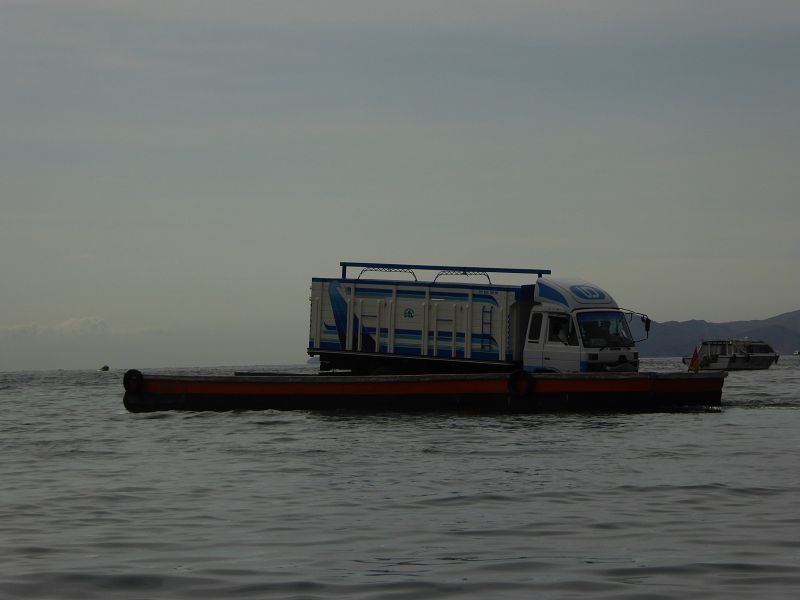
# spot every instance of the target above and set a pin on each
(646, 321)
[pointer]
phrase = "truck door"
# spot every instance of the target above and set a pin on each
(560, 348)
(532, 352)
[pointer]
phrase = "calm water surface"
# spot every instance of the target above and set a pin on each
(96, 502)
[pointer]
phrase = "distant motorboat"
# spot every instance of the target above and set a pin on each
(734, 355)
(104, 368)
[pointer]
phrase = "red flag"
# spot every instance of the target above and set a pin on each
(694, 364)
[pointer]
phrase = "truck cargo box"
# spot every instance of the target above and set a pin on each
(382, 318)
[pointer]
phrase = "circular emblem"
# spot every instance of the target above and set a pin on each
(587, 292)
(408, 313)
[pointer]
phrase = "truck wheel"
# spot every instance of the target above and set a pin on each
(519, 384)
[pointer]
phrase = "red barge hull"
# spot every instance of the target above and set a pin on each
(518, 392)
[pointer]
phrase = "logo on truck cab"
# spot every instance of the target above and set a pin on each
(587, 292)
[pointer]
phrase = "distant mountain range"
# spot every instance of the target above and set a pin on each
(678, 338)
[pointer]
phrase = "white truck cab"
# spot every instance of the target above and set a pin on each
(576, 326)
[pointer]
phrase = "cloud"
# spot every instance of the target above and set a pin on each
(76, 326)
(90, 342)
(80, 342)
(82, 326)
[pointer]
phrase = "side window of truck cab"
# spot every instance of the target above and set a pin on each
(559, 329)
(535, 330)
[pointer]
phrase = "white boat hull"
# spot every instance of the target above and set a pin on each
(733, 355)
(736, 362)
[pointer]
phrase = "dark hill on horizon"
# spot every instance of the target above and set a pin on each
(678, 338)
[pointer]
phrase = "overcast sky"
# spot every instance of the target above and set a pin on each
(173, 173)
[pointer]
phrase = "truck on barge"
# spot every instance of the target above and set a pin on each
(369, 326)
(555, 344)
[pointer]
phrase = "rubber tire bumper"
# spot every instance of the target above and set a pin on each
(132, 381)
(520, 384)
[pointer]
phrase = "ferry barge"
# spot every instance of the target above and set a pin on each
(517, 392)
(389, 344)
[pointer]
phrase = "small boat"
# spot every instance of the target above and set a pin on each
(733, 355)
(516, 392)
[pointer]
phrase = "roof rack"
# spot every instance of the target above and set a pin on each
(442, 269)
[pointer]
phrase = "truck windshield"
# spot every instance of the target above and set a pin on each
(604, 329)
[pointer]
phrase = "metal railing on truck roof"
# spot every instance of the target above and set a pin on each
(442, 269)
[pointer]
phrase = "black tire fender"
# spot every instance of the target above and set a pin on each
(132, 381)
(520, 384)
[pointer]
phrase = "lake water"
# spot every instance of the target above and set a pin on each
(96, 502)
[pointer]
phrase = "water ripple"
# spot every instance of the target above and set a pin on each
(100, 503)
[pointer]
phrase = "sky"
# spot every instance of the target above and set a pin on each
(173, 173)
